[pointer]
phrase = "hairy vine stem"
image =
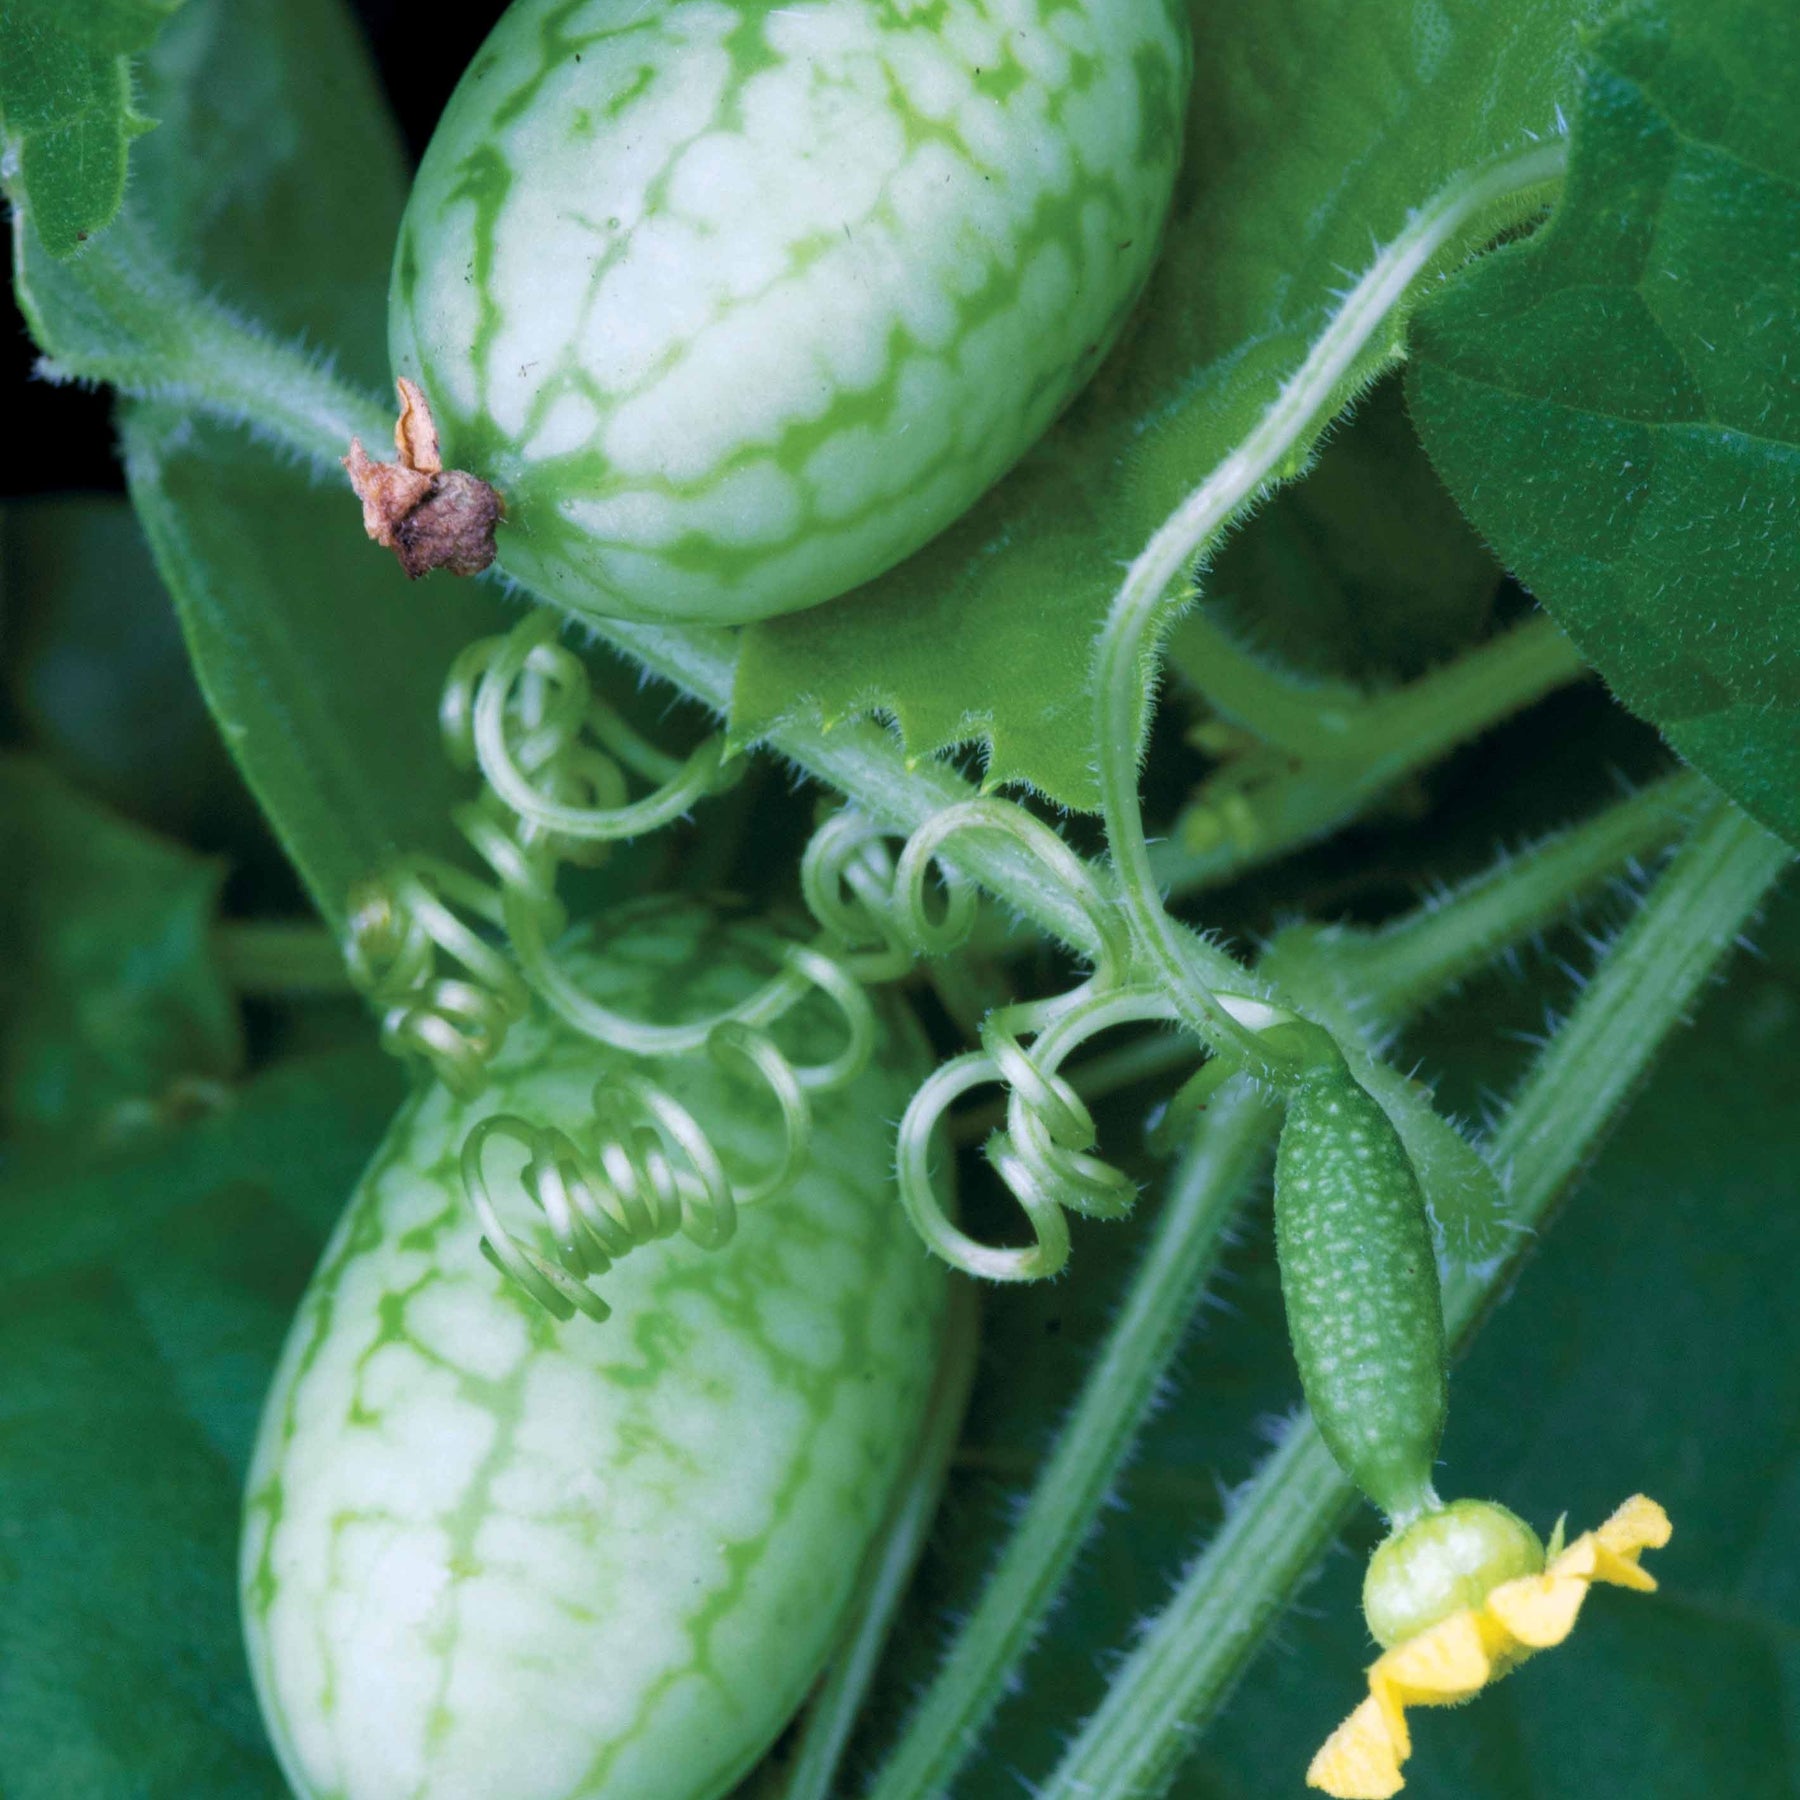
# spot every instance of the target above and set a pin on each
(1453, 935)
(1125, 654)
(121, 314)
(1313, 720)
(1180, 1671)
(1355, 752)
(1352, 978)
(863, 762)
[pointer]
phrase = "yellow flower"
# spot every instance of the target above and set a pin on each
(1460, 1655)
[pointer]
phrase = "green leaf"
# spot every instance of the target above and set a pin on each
(113, 1007)
(277, 182)
(1613, 402)
(277, 175)
(141, 1311)
(67, 117)
(97, 674)
(1314, 129)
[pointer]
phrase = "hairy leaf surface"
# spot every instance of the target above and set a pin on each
(1614, 402)
(67, 114)
(1313, 130)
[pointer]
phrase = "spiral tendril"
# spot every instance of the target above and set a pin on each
(649, 1171)
(1045, 1152)
(453, 960)
(424, 939)
(400, 924)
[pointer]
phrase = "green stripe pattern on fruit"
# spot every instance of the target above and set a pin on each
(489, 1554)
(739, 302)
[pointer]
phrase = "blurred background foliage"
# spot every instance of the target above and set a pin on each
(187, 1092)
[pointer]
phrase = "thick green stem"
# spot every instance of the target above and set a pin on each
(1181, 1670)
(118, 313)
(1438, 945)
(1317, 723)
(1306, 717)
(1361, 752)
(1649, 980)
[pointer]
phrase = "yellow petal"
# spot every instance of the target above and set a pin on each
(1623, 1571)
(1611, 1553)
(1579, 1560)
(1447, 1663)
(1359, 1761)
(1460, 1655)
(1538, 1610)
(1390, 1702)
(1640, 1524)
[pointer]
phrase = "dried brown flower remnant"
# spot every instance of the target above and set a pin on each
(415, 431)
(429, 516)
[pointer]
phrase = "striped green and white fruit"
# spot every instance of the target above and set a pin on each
(491, 1557)
(739, 302)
